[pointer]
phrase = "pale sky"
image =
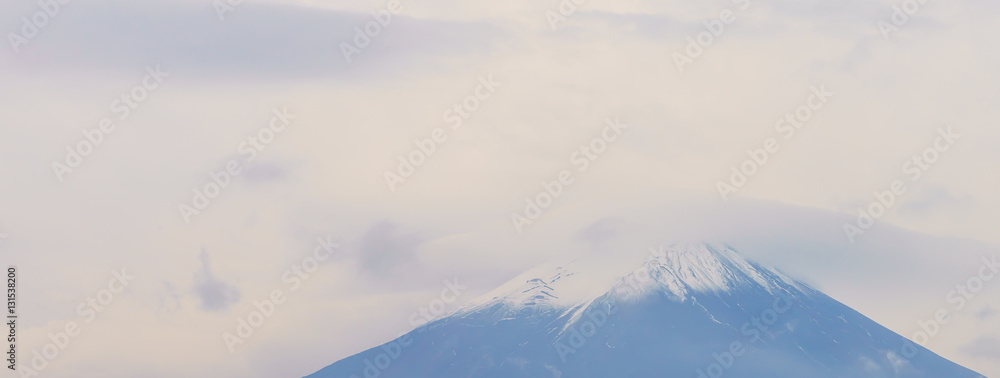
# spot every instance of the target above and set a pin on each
(345, 124)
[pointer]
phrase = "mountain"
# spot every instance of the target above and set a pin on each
(694, 310)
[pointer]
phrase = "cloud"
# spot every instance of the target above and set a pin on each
(986, 347)
(259, 40)
(262, 172)
(166, 298)
(600, 231)
(383, 249)
(215, 295)
(452, 218)
(931, 199)
(898, 364)
(986, 313)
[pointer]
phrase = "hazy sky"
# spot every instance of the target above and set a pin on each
(276, 70)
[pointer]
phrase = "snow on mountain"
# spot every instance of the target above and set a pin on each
(679, 270)
(690, 310)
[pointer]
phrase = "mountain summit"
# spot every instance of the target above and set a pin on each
(691, 310)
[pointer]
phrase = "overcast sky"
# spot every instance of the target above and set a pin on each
(345, 123)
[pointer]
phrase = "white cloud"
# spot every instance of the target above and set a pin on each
(324, 175)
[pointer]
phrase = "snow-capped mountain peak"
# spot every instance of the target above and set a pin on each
(675, 314)
(678, 271)
(682, 269)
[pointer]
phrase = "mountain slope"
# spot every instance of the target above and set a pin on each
(696, 310)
